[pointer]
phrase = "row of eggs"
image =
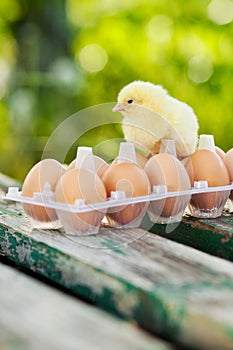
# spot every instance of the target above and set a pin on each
(90, 179)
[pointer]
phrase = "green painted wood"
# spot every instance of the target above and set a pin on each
(35, 316)
(214, 236)
(169, 289)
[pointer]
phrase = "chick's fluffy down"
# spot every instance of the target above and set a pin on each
(151, 115)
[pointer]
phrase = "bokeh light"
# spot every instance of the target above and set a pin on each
(160, 28)
(60, 57)
(93, 58)
(221, 11)
(200, 69)
(4, 76)
(190, 44)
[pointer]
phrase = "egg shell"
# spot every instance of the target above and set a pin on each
(131, 179)
(220, 152)
(165, 169)
(142, 159)
(80, 184)
(228, 160)
(47, 170)
(207, 165)
(100, 164)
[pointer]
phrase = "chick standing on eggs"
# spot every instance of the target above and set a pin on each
(151, 115)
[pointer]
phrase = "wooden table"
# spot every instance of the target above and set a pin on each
(150, 287)
(213, 236)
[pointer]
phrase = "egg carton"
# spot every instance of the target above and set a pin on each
(120, 211)
(81, 218)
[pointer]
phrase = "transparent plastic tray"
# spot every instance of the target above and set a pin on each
(120, 211)
(84, 219)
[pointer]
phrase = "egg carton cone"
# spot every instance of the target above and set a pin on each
(168, 146)
(128, 215)
(206, 142)
(126, 153)
(171, 208)
(76, 224)
(84, 159)
(208, 202)
(86, 222)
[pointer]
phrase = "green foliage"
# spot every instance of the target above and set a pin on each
(58, 57)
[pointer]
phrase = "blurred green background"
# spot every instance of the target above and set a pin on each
(60, 56)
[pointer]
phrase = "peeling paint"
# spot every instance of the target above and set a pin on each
(24, 254)
(214, 236)
(127, 302)
(5, 245)
(154, 284)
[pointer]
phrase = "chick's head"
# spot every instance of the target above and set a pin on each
(142, 94)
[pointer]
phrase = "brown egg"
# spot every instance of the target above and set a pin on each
(220, 152)
(46, 171)
(131, 179)
(142, 159)
(208, 166)
(228, 160)
(85, 185)
(100, 164)
(165, 169)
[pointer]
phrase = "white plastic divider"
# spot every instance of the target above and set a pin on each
(206, 142)
(84, 159)
(127, 153)
(168, 146)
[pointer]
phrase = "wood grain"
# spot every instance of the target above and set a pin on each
(167, 288)
(213, 236)
(35, 316)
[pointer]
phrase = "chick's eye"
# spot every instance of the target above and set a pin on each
(130, 101)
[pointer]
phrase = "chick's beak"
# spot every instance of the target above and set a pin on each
(118, 107)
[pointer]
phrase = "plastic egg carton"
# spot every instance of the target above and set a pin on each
(208, 202)
(83, 219)
(118, 210)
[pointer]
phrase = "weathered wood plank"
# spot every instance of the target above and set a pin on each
(168, 288)
(9, 341)
(213, 236)
(35, 316)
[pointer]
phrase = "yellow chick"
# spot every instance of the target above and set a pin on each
(151, 115)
